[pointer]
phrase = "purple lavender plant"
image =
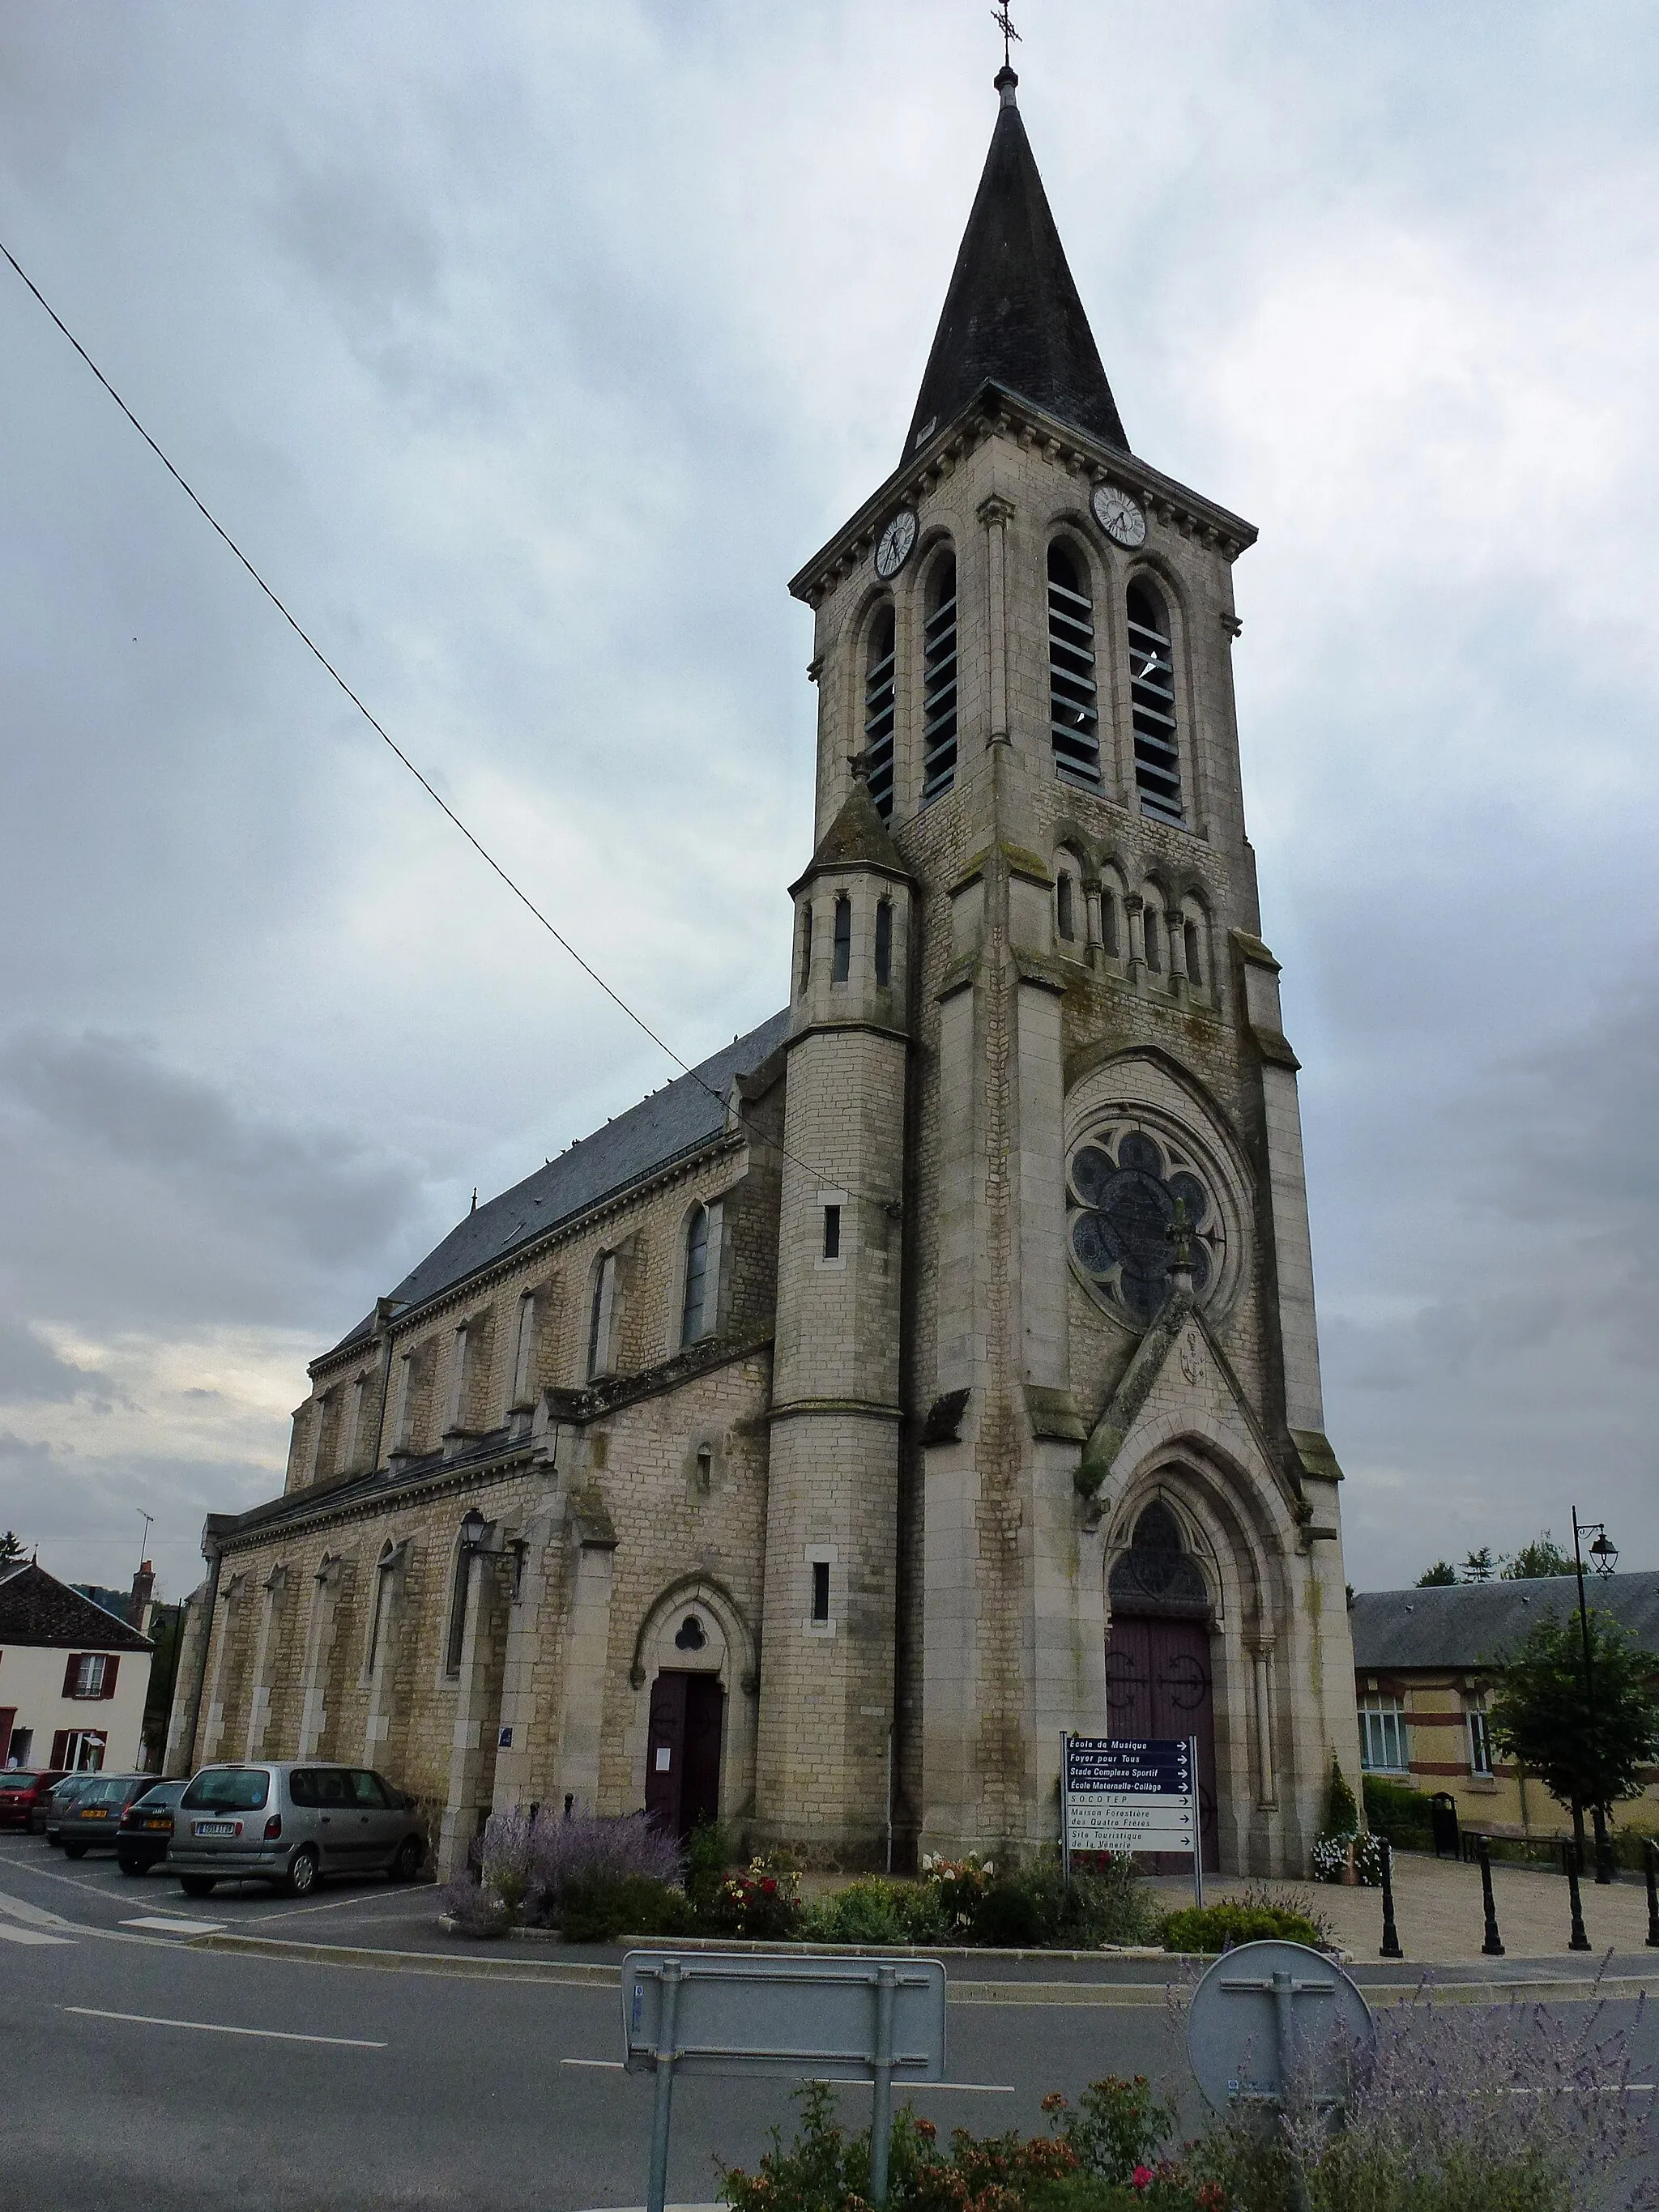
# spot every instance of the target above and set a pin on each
(562, 1854)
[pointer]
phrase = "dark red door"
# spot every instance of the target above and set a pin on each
(683, 1751)
(1158, 1683)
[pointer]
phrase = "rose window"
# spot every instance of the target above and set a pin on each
(1124, 1186)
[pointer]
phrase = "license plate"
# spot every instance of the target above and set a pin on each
(214, 1828)
(158, 1824)
(96, 1813)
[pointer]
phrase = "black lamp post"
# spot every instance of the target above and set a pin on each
(1604, 1557)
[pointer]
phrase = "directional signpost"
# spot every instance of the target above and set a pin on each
(1131, 1794)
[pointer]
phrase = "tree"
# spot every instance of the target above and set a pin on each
(11, 1547)
(1533, 1561)
(1440, 1576)
(1479, 1566)
(1541, 1716)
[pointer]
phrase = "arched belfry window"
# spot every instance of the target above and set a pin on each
(879, 700)
(938, 681)
(1152, 693)
(1158, 1573)
(1073, 713)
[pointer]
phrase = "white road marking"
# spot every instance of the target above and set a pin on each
(35, 1916)
(607, 2065)
(218, 2028)
(355, 1897)
(30, 1935)
(177, 1927)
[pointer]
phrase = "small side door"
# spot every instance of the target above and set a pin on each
(335, 1817)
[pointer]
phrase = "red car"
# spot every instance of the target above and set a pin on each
(23, 1791)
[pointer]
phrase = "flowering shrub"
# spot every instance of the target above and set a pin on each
(959, 1886)
(1332, 1855)
(762, 1901)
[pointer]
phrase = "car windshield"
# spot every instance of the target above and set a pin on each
(164, 1794)
(14, 1781)
(227, 1790)
(71, 1787)
(104, 1793)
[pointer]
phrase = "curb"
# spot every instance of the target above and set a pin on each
(594, 1975)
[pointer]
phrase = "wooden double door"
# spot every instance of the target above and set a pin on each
(1159, 1683)
(683, 1751)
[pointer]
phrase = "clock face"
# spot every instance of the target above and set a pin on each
(893, 547)
(1119, 516)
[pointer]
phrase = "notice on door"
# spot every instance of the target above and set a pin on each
(1136, 1793)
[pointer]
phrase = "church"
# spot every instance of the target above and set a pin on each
(935, 1369)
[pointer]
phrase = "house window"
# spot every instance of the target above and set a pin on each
(1382, 1746)
(78, 1751)
(1152, 696)
(1479, 1742)
(939, 682)
(1073, 714)
(693, 1323)
(602, 1317)
(878, 699)
(455, 1643)
(820, 1589)
(832, 1232)
(884, 944)
(89, 1674)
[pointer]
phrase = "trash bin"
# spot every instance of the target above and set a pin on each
(1442, 1820)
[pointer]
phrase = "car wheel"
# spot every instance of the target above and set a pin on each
(196, 1885)
(411, 1856)
(75, 1850)
(132, 1866)
(302, 1873)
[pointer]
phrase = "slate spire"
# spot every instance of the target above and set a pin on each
(1012, 315)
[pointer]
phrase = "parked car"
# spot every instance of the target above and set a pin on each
(92, 1819)
(48, 1820)
(145, 1829)
(23, 1792)
(289, 1822)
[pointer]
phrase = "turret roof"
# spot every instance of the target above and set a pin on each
(857, 838)
(1012, 315)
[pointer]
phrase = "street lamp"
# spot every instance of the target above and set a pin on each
(1604, 1557)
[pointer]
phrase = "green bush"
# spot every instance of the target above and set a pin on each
(1211, 1927)
(875, 1911)
(1341, 1814)
(601, 1907)
(707, 1855)
(1396, 1811)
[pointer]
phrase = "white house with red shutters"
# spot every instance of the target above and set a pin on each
(73, 1678)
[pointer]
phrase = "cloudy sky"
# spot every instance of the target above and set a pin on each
(529, 350)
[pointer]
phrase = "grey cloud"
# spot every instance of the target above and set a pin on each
(31, 1372)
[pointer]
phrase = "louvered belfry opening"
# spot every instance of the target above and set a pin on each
(938, 681)
(1151, 672)
(1073, 713)
(878, 703)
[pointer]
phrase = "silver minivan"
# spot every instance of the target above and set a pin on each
(289, 1822)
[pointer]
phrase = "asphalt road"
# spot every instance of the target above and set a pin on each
(212, 2079)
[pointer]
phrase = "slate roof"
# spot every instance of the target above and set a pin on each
(858, 837)
(674, 1122)
(1470, 1622)
(36, 1609)
(1012, 315)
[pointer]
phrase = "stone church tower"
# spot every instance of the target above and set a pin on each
(1117, 1507)
(934, 1370)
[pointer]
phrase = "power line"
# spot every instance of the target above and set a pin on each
(380, 730)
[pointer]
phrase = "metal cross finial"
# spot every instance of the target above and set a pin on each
(1010, 36)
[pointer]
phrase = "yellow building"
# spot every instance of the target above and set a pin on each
(1424, 1661)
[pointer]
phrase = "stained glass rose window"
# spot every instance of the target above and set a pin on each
(1124, 1185)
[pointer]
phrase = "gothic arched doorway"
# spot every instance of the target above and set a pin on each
(1158, 1680)
(682, 1758)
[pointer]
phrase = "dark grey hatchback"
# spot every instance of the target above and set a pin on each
(289, 1822)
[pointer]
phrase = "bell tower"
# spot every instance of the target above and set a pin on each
(1028, 747)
